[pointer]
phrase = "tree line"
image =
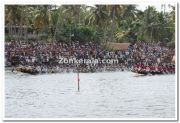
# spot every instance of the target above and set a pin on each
(99, 23)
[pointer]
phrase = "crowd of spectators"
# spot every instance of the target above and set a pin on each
(45, 57)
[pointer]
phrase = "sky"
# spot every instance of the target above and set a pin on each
(144, 6)
(157, 6)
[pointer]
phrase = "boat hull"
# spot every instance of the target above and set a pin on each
(27, 70)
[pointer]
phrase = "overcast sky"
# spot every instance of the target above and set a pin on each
(144, 6)
(157, 6)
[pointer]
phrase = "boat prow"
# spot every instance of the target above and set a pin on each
(28, 70)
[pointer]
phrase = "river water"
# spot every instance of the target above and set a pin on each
(102, 95)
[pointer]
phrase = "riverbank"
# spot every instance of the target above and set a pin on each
(39, 57)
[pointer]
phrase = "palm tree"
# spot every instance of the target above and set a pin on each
(17, 19)
(74, 12)
(42, 17)
(114, 12)
(97, 17)
(130, 12)
(150, 21)
(12, 18)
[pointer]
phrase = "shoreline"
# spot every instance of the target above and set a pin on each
(12, 69)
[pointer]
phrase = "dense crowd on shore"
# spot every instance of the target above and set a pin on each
(44, 57)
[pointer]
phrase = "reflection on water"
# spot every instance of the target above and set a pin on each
(102, 95)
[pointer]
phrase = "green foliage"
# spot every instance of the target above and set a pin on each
(83, 33)
(100, 23)
(8, 37)
(171, 44)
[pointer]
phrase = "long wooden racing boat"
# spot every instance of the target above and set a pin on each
(147, 72)
(28, 70)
